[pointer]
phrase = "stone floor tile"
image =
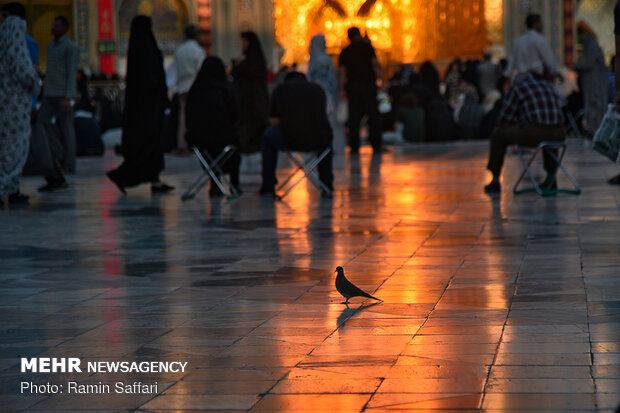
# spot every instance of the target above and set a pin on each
(456, 339)
(543, 401)
(445, 370)
(341, 385)
(201, 402)
(236, 374)
(536, 385)
(94, 410)
(604, 385)
(422, 385)
(606, 371)
(445, 350)
(220, 387)
(544, 348)
(562, 359)
(607, 400)
(424, 402)
(187, 411)
(312, 402)
(481, 359)
(108, 402)
(541, 372)
(561, 410)
(606, 358)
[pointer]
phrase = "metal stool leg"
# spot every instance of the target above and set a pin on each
(548, 147)
(558, 160)
(527, 171)
(212, 167)
(307, 166)
(215, 166)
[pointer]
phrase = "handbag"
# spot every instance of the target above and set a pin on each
(607, 138)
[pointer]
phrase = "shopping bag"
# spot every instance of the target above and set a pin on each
(607, 138)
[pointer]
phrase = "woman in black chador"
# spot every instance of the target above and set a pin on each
(211, 115)
(145, 101)
(250, 73)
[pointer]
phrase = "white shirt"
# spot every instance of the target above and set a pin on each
(188, 58)
(531, 52)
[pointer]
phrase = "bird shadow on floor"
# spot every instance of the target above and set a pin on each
(349, 312)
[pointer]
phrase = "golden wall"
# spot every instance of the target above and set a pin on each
(401, 30)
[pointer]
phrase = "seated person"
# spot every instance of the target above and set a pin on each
(411, 115)
(87, 135)
(531, 113)
(298, 122)
(211, 115)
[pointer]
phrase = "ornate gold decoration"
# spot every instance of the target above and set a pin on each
(400, 30)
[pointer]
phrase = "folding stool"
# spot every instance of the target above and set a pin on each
(307, 166)
(211, 168)
(573, 122)
(561, 147)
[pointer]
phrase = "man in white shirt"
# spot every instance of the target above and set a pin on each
(488, 75)
(532, 53)
(188, 59)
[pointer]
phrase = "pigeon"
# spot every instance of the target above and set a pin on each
(348, 289)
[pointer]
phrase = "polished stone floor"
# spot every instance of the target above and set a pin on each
(495, 304)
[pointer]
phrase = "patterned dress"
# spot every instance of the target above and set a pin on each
(18, 82)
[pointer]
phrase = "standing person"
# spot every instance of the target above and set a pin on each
(59, 94)
(359, 70)
(411, 115)
(454, 74)
(488, 75)
(250, 74)
(430, 77)
(17, 9)
(616, 179)
(145, 101)
(18, 81)
(611, 80)
(321, 70)
(532, 53)
(212, 115)
(188, 59)
(593, 80)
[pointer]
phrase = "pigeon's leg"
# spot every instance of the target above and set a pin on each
(345, 302)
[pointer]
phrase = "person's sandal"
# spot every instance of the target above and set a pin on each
(18, 198)
(161, 188)
(614, 181)
(493, 188)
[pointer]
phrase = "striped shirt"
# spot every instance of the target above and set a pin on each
(531, 101)
(62, 63)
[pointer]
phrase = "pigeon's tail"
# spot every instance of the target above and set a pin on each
(374, 298)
